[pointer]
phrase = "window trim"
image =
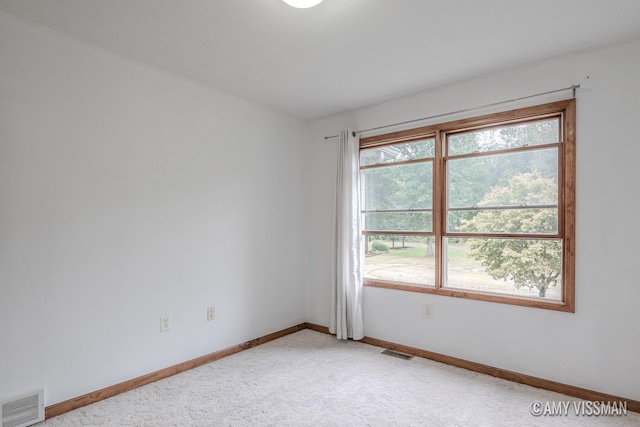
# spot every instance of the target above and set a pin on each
(566, 110)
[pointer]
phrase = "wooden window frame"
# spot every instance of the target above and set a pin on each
(566, 111)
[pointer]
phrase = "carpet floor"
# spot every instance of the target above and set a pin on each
(312, 379)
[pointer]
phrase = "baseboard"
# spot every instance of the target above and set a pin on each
(317, 328)
(569, 390)
(89, 398)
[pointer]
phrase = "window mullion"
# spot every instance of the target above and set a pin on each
(508, 162)
(439, 187)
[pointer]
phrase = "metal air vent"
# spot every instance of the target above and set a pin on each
(397, 354)
(23, 410)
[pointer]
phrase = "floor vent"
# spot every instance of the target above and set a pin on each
(397, 354)
(23, 410)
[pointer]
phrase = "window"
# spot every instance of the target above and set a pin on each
(481, 208)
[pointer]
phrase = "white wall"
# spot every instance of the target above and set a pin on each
(596, 347)
(127, 193)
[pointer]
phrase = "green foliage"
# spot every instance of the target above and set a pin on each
(491, 139)
(521, 190)
(398, 187)
(379, 246)
(398, 152)
(531, 263)
(471, 179)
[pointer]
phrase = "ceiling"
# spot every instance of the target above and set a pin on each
(340, 55)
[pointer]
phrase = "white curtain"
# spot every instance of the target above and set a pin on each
(346, 316)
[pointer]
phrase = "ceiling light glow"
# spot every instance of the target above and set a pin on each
(302, 4)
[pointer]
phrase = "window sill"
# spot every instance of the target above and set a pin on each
(474, 295)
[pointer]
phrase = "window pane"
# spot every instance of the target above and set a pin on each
(423, 149)
(407, 260)
(397, 186)
(515, 193)
(520, 267)
(398, 221)
(527, 134)
(518, 220)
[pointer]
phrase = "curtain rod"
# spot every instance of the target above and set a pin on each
(572, 87)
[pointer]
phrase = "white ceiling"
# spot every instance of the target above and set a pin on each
(341, 54)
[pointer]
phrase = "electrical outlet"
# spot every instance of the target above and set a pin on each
(165, 323)
(427, 311)
(211, 313)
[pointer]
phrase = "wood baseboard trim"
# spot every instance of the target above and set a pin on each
(317, 328)
(89, 398)
(569, 390)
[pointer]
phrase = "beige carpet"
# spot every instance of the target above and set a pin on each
(311, 379)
